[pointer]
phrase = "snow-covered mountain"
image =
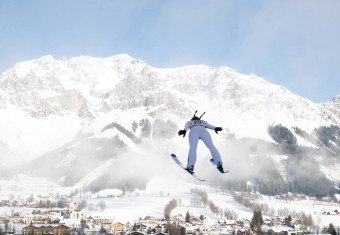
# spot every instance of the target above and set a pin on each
(62, 113)
(334, 105)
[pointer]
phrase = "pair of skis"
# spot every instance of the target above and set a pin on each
(174, 157)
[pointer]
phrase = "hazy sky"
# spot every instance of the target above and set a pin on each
(291, 43)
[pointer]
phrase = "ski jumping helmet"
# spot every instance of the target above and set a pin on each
(197, 118)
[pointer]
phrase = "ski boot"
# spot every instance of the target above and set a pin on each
(190, 169)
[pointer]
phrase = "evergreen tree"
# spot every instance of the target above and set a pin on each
(288, 220)
(256, 222)
(187, 217)
(331, 229)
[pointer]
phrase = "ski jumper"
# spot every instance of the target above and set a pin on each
(198, 131)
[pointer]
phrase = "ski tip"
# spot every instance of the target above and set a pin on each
(173, 155)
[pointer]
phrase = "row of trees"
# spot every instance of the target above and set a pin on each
(203, 199)
(101, 205)
(61, 203)
(243, 200)
(203, 196)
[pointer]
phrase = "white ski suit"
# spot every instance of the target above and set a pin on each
(198, 131)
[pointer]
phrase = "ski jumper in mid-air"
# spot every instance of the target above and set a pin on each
(198, 131)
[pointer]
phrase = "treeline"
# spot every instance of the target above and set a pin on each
(308, 178)
(329, 137)
(313, 183)
(50, 204)
(270, 182)
(202, 197)
(226, 213)
(283, 136)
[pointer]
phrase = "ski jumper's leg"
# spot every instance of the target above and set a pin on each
(194, 136)
(206, 138)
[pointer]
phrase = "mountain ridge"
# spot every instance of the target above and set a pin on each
(53, 106)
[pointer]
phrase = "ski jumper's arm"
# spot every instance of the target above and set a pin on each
(183, 132)
(207, 125)
(187, 125)
(217, 129)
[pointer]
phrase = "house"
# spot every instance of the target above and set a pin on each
(117, 228)
(244, 223)
(28, 218)
(36, 212)
(16, 218)
(267, 221)
(279, 222)
(136, 233)
(31, 204)
(29, 230)
(58, 230)
(296, 222)
(2, 220)
(178, 218)
(151, 224)
(204, 229)
(82, 215)
(149, 217)
(5, 202)
(40, 219)
(243, 231)
(62, 230)
(94, 230)
(326, 199)
(141, 226)
(44, 230)
(196, 221)
(103, 220)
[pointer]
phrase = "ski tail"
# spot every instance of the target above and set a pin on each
(178, 162)
(219, 169)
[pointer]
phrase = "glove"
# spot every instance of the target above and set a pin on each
(217, 129)
(182, 132)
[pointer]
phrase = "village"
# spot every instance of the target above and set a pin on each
(68, 217)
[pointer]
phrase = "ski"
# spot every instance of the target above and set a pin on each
(174, 157)
(220, 170)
